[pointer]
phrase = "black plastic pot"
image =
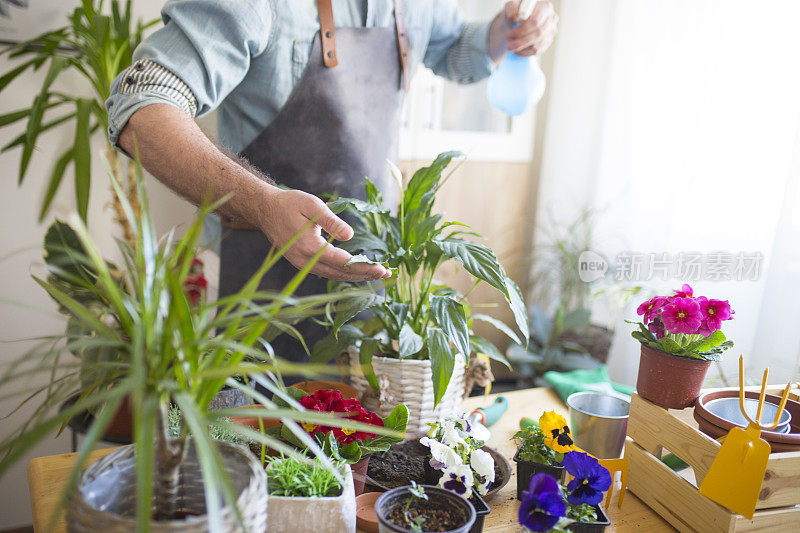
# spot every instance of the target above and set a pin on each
(436, 495)
(481, 510)
(591, 527)
(526, 470)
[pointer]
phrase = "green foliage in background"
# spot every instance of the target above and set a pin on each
(97, 46)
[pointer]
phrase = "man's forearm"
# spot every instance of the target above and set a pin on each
(174, 150)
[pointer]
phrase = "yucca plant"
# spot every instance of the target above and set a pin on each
(417, 316)
(166, 352)
(98, 46)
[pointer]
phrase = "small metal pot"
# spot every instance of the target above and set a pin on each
(599, 423)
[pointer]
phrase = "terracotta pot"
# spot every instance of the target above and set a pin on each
(360, 474)
(670, 381)
(121, 426)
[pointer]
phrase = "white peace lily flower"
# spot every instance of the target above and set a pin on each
(482, 463)
(443, 455)
(458, 479)
(396, 174)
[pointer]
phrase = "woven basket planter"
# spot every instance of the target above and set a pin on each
(321, 515)
(409, 382)
(106, 496)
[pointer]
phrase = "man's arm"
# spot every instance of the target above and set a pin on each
(467, 53)
(173, 149)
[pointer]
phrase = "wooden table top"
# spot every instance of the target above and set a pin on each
(47, 475)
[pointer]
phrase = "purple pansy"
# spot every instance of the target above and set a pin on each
(590, 478)
(682, 315)
(542, 504)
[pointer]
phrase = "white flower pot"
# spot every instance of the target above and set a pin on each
(409, 382)
(321, 515)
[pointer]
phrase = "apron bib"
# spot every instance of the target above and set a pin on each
(340, 124)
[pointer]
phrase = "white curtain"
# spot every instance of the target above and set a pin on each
(678, 121)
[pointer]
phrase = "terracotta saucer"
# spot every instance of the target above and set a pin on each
(716, 427)
(366, 518)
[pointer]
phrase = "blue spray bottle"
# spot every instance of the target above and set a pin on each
(518, 83)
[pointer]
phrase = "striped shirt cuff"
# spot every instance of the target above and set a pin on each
(468, 60)
(148, 76)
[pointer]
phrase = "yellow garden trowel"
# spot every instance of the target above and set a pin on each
(735, 477)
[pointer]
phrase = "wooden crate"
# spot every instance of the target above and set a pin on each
(652, 429)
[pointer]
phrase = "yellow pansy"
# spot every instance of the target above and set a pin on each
(556, 432)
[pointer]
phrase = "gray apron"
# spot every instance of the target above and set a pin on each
(340, 124)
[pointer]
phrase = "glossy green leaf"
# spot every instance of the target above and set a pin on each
(485, 347)
(477, 259)
(442, 361)
(517, 305)
(500, 325)
(452, 319)
(365, 354)
(423, 184)
(410, 342)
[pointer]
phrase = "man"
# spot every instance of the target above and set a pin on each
(309, 94)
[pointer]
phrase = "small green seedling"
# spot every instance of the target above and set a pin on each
(417, 492)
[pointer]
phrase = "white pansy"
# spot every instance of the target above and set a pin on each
(479, 432)
(482, 463)
(450, 434)
(442, 454)
(458, 479)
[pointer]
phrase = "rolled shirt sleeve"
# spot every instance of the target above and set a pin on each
(458, 50)
(195, 60)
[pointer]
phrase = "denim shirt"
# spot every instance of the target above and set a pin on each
(244, 57)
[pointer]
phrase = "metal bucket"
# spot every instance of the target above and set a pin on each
(599, 423)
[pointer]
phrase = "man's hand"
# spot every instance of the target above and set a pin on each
(288, 212)
(176, 152)
(532, 37)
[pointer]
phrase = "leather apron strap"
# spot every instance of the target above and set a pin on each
(327, 29)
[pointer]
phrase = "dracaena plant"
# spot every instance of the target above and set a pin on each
(96, 44)
(416, 316)
(164, 349)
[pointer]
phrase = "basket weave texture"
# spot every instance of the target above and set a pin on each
(106, 496)
(409, 382)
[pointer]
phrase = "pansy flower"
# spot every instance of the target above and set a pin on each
(556, 432)
(542, 504)
(590, 478)
(442, 455)
(482, 464)
(458, 479)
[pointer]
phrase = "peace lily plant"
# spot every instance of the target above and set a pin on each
(416, 317)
